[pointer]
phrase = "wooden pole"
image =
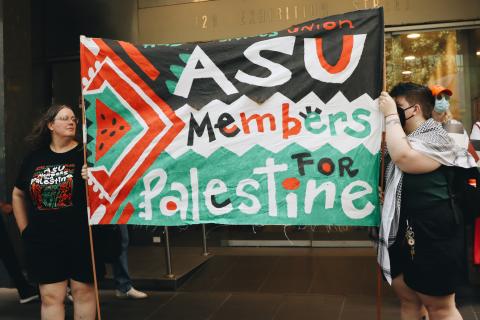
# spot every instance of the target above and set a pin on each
(379, 293)
(382, 188)
(379, 271)
(92, 252)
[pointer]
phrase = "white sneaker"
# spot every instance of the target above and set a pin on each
(131, 294)
(28, 293)
(35, 297)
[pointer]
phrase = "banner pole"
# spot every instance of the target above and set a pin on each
(204, 241)
(168, 255)
(92, 254)
(379, 271)
(382, 187)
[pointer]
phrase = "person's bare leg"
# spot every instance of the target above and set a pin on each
(441, 308)
(411, 307)
(84, 300)
(53, 297)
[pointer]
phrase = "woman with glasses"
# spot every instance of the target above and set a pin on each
(421, 246)
(49, 203)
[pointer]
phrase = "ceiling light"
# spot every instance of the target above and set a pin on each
(413, 35)
(409, 58)
(406, 72)
(478, 53)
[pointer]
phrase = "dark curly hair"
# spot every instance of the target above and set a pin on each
(41, 136)
(415, 93)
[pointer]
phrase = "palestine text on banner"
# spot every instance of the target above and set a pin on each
(279, 128)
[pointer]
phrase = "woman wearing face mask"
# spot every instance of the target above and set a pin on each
(49, 204)
(441, 113)
(421, 240)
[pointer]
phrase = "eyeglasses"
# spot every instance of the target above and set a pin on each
(442, 95)
(66, 118)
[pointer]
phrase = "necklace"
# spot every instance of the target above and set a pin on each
(53, 148)
(62, 149)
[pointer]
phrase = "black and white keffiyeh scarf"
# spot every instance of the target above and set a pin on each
(433, 141)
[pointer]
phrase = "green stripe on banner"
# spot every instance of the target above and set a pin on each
(341, 193)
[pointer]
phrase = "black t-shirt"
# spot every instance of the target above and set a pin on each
(425, 190)
(55, 192)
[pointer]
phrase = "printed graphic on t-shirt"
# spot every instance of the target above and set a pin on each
(51, 186)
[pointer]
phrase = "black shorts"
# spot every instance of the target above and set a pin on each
(52, 259)
(437, 267)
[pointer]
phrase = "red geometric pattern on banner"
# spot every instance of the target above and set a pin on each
(126, 214)
(109, 181)
(111, 127)
(140, 60)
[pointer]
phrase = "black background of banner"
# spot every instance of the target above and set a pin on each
(229, 57)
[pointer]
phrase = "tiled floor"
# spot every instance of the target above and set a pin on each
(258, 283)
(229, 306)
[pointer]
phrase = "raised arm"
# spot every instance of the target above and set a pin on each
(406, 158)
(20, 210)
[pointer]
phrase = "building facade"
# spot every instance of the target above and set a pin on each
(429, 42)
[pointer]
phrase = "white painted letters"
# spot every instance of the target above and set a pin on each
(209, 70)
(278, 73)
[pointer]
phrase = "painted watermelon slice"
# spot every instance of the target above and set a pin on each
(111, 127)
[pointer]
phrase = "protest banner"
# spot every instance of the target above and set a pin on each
(279, 128)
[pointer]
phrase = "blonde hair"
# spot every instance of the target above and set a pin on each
(447, 116)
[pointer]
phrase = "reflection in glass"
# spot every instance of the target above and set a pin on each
(444, 57)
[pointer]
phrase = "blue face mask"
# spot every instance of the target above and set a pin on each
(441, 105)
